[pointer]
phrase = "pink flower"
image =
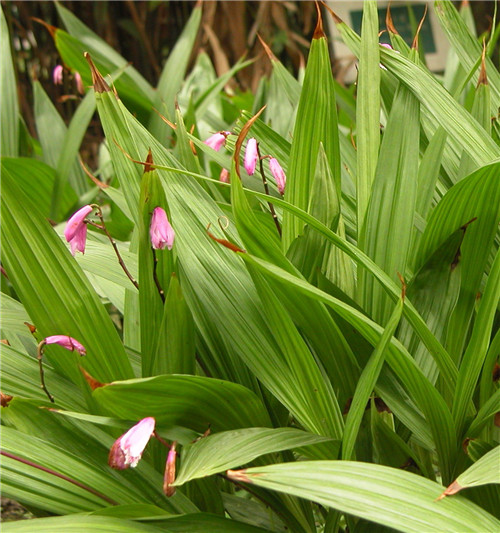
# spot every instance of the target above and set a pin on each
(224, 175)
(278, 174)
(161, 232)
(66, 342)
(127, 450)
(57, 75)
(251, 156)
(217, 140)
(76, 229)
(79, 83)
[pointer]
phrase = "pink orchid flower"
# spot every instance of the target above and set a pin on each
(57, 75)
(161, 232)
(127, 450)
(217, 140)
(66, 342)
(76, 229)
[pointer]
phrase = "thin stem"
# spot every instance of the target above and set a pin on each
(115, 248)
(61, 476)
(42, 376)
(163, 441)
(155, 276)
(266, 189)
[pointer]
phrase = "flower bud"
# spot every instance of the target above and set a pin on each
(79, 83)
(251, 156)
(66, 342)
(278, 174)
(76, 229)
(217, 140)
(224, 175)
(127, 450)
(161, 232)
(57, 75)
(169, 476)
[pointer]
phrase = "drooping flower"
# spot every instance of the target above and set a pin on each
(217, 140)
(66, 342)
(57, 75)
(278, 174)
(79, 83)
(161, 232)
(224, 175)
(251, 156)
(127, 450)
(76, 229)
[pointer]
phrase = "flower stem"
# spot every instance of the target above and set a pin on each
(266, 189)
(42, 376)
(155, 276)
(115, 248)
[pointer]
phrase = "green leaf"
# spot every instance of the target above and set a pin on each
(484, 470)
(9, 114)
(55, 292)
(172, 77)
(367, 111)
(367, 382)
(69, 151)
(221, 451)
(39, 190)
(316, 122)
(79, 524)
(477, 196)
(387, 232)
(195, 401)
(376, 493)
(477, 348)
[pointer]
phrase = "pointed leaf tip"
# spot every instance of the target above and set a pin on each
(334, 15)
(93, 383)
(389, 24)
(149, 162)
(318, 32)
(483, 78)
(452, 489)
(417, 33)
(238, 475)
(267, 49)
(100, 86)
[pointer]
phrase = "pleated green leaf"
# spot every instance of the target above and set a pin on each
(387, 232)
(9, 110)
(316, 122)
(477, 196)
(367, 111)
(229, 449)
(484, 470)
(384, 495)
(467, 47)
(194, 401)
(80, 524)
(55, 292)
(367, 382)
(172, 77)
(39, 190)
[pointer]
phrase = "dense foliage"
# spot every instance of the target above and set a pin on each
(296, 333)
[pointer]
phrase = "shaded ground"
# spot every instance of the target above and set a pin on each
(11, 510)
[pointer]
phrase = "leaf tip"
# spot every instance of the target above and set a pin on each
(93, 383)
(334, 15)
(238, 475)
(452, 489)
(100, 86)
(318, 31)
